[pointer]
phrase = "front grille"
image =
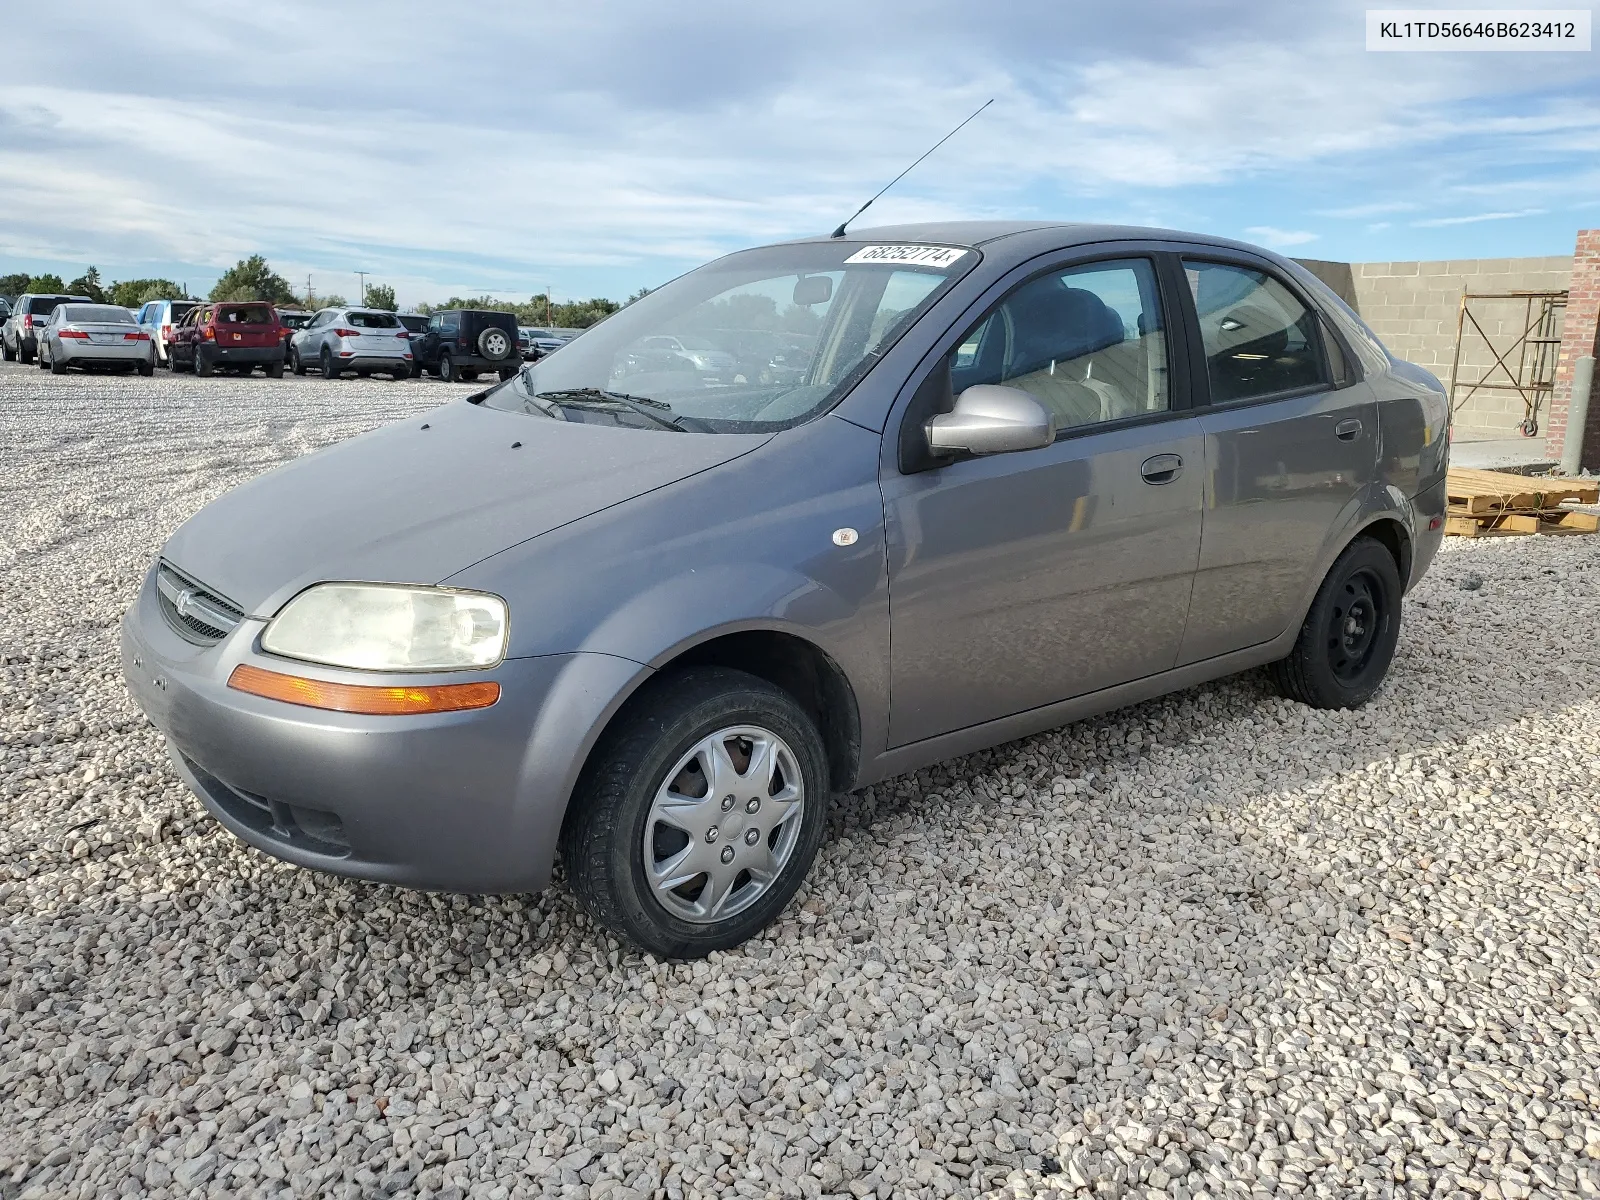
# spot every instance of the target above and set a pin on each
(197, 613)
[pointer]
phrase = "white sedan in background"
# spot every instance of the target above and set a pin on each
(95, 335)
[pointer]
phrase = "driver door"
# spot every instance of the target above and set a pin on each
(1021, 579)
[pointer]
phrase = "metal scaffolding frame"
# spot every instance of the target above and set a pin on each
(1536, 348)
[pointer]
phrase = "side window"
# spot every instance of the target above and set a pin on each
(1088, 343)
(434, 324)
(1259, 339)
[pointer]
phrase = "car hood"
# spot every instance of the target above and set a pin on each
(419, 500)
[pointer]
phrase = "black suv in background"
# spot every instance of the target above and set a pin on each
(460, 342)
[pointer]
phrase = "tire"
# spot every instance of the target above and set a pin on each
(6, 352)
(507, 373)
(416, 370)
(447, 368)
(613, 827)
(400, 373)
(469, 375)
(203, 366)
(1348, 638)
(57, 366)
(274, 370)
(24, 353)
(495, 343)
(330, 369)
(295, 363)
(147, 369)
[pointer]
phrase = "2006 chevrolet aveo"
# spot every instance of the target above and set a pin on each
(807, 517)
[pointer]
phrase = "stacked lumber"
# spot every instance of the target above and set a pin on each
(1497, 502)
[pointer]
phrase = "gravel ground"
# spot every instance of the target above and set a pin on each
(1214, 945)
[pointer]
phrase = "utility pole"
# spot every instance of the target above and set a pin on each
(311, 301)
(547, 305)
(363, 275)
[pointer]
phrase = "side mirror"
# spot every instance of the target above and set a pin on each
(991, 419)
(813, 289)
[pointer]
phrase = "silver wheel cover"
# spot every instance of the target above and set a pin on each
(739, 790)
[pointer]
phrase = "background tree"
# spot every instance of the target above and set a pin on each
(380, 295)
(252, 279)
(12, 286)
(132, 293)
(45, 283)
(88, 284)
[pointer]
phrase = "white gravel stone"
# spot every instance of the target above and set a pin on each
(1214, 945)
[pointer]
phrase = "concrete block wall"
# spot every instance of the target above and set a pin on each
(1414, 306)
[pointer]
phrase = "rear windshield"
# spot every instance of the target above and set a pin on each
(245, 314)
(373, 320)
(40, 305)
(98, 314)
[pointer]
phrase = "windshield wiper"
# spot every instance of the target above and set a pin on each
(588, 397)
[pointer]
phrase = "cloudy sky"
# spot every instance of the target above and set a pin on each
(594, 148)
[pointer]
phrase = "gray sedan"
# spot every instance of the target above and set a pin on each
(659, 622)
(100, 336)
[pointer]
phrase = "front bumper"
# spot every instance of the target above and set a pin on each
(468, 802)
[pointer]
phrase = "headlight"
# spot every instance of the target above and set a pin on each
(382, 627)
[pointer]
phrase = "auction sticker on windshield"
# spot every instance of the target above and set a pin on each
(910, 256)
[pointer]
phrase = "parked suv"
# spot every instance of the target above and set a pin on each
(461, 342)
(240, 335)
(362, 340)
(158, 317)
(19, 337)
(1024, 474)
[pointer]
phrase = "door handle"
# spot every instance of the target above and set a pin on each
(1347, 430)
(1163, 468)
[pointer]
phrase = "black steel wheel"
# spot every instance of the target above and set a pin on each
(1348, 638)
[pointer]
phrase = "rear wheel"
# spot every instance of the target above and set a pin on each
(1348, 638)
(147, 369)
(469, 376)
(699, 813)
(274, 370)
(24, 353)
(203, 366)
(330, 369)
(447, 368)
(6, 351)
(57, 366)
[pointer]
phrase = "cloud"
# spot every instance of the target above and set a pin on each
(1280, 237)
(607, 146)
(1442, 222)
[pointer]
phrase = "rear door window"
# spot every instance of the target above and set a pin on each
(1259, 339)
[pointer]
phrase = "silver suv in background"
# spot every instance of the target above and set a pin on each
(157, 318)
(19, 336)
(363, 340)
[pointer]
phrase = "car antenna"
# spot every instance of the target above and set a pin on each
(839, 232)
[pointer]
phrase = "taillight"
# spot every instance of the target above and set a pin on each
(346, 333)
(209, 333)
(136, 337)
(403, 335)
(27, 321)
(74, 333)
(166, 333)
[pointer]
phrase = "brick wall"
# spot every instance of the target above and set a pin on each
(1578, 338)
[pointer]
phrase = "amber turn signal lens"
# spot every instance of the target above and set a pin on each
(359, 698)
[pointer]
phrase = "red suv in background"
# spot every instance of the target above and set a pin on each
(242, 334)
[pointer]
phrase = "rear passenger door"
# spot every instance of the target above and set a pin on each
(1291, 444)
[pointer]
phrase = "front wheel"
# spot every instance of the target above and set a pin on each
(699, 814)
(295, 363)
(1348, 639)
(6, 352)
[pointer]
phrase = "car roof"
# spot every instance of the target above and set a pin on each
(976, 234)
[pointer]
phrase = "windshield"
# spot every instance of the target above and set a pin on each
(758, 341)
